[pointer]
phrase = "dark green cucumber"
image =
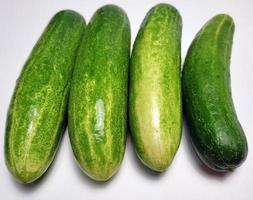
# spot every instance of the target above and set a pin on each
(97, 105)
(155, 88)
(38, 107)
(215, 131)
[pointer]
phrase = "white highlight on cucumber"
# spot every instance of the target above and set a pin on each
(100, 118)
(155, 111)
(33, 114)
(33, 117)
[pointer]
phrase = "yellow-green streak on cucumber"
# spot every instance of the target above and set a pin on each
(98, 97)
(155, 88)
(215, 131)
(38, 106)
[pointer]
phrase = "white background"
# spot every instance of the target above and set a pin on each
(21, 23)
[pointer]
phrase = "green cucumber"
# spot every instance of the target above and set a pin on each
(155, 106)
(98, 97)
(215, 132)
(38, 107)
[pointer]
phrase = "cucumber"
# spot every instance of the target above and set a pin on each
(38, 107)
(98, 97)
(215, 132)
(155, 107)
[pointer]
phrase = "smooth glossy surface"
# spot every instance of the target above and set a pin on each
(215, 131)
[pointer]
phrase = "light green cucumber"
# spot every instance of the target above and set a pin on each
(155, 88)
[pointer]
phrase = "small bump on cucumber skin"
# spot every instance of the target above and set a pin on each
(98, 98)
(215, 131)
(155, 110)
(37, 110)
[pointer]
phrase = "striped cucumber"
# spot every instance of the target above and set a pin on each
(98, 97)
(155, 88)
(36, 114)
(215, 131)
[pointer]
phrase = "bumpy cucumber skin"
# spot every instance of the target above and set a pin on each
(155, 106)
(38, 107)
(215, 131)
(98, 97)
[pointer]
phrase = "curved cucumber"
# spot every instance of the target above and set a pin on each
(38, 106)
(98, 97)
(215, 131)
(155, 88)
